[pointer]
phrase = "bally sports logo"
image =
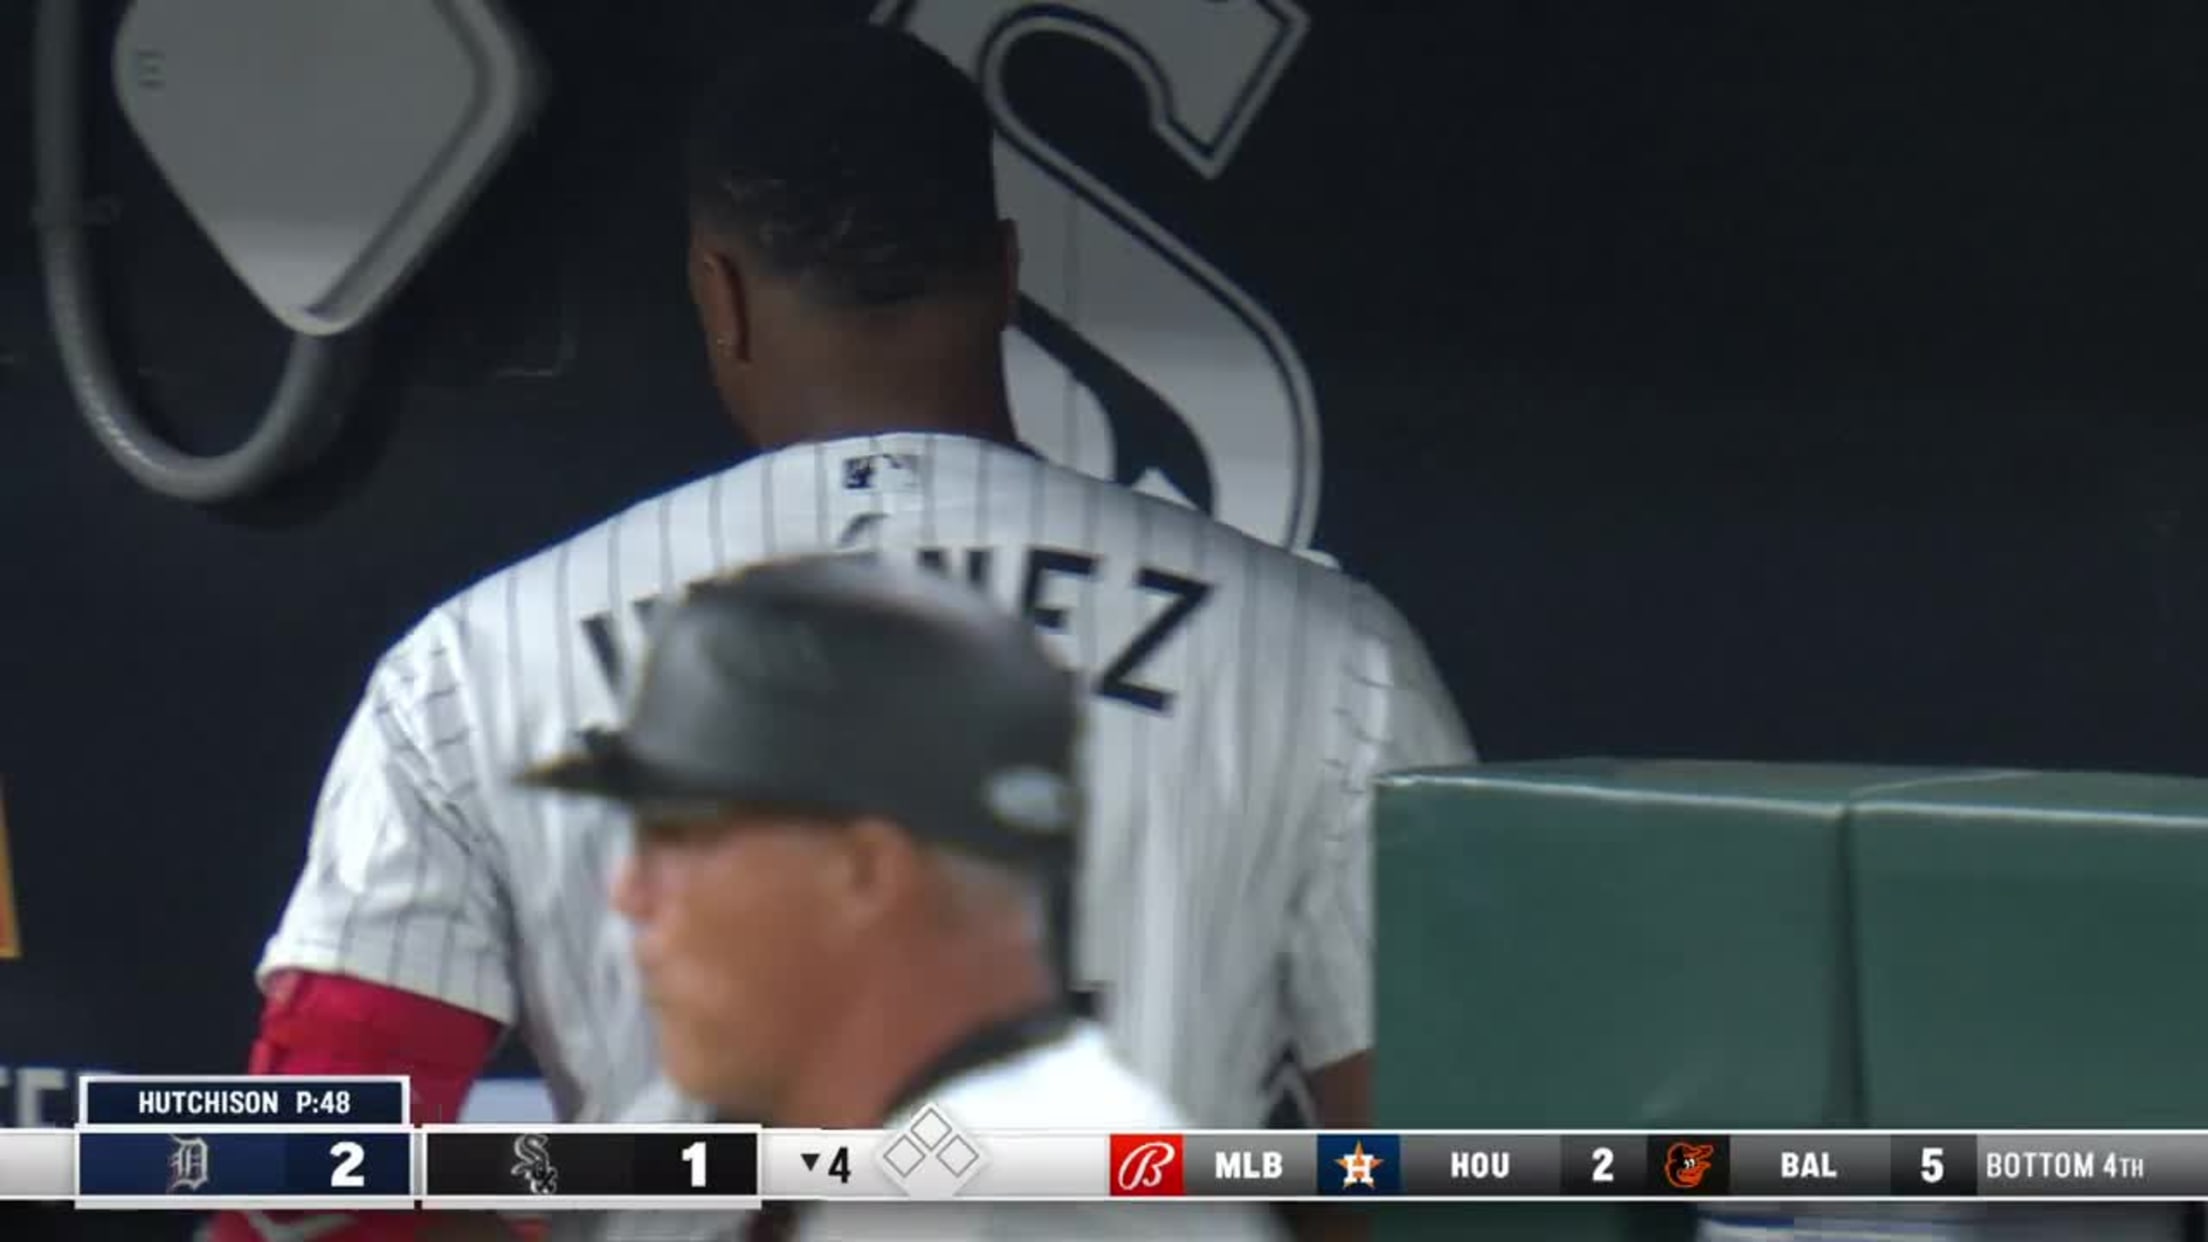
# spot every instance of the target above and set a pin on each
(10, 943)
(1148, 1164)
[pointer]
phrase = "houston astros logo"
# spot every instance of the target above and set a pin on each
(1134, 359)
(1686, 1164)
(1358, 1167)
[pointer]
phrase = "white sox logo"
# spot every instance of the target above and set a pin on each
(1135, 360)
(1144, 1167)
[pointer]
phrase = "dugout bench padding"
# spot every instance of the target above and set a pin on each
(2034, 952)
(1598, 943)
(1614, 944)
(1611, 944)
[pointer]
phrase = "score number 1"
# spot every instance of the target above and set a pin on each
(839, 1167)
(688, 1165)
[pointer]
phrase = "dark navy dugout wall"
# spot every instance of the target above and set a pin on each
(1734, 380)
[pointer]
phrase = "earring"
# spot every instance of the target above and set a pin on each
(721, 343)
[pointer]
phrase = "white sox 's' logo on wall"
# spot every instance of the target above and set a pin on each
(1135, 360)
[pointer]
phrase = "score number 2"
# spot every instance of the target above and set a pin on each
(350, 1156)
(1604, 1158)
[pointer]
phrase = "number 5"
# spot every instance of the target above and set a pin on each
(694, 1156)
(1933, 1169)
(346, 1176)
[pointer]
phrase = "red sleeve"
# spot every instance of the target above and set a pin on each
(331, 1024)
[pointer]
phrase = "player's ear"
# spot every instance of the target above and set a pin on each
(878, 867)
(630, 895)
(1009, 235)
(717, 289)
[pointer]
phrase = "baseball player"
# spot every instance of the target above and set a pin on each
(854, 281)
(851, 785)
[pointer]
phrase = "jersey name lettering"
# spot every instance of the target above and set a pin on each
(1048, 580)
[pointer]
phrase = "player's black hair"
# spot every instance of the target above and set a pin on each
(855, 160)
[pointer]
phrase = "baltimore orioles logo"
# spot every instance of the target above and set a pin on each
(1686, 1164)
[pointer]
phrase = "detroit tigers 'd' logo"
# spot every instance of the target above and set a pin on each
(1134, 359)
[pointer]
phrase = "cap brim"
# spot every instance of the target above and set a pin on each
(603, 766)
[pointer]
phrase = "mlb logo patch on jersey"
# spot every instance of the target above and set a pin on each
(881, 472)
(1148, 1164)
(1360, 1164)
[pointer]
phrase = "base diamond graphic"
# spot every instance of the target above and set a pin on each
(930, 1128)
(903, 1157)
(955, 1161)
(957, 1156)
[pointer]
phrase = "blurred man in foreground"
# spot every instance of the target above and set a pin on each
(854, 789)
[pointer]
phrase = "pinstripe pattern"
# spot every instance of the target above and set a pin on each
(1225, 908)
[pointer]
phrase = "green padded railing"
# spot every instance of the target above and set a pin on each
(1660, 945)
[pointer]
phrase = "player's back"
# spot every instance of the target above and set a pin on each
(1238, 693)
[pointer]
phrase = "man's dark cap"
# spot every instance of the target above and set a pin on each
(842, 685)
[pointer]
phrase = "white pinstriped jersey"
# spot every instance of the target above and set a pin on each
(1242, 700)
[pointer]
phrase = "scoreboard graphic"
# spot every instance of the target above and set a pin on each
(211, 1143)
(204, 1144)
